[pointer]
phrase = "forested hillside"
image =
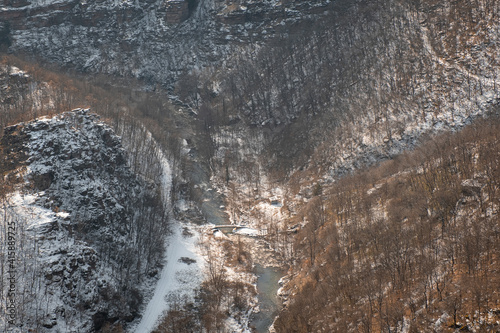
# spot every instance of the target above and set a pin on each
(362, 83)
(411, 245)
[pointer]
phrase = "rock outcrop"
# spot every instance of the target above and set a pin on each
(92, 231)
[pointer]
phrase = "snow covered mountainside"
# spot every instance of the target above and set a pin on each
(84, 232)
(279, 104)
(146, 39)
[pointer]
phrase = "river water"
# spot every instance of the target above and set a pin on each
(267, 277)
(269, 303)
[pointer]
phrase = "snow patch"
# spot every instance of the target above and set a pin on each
(176, 279)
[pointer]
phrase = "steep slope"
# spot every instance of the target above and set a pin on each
(140, 38)
(383, 75)
(410, 246)
(306, 111)
(319, 103)
(88, 232)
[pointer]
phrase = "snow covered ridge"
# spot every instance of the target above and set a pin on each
(136, 39)
(87, 234)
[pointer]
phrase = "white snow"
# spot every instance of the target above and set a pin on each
(24, 205)
(219, 234)
(441, 320)
(14, 71)
(247, 232)
(177, 277)
(63, 215)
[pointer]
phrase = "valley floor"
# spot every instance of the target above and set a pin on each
(180, 277)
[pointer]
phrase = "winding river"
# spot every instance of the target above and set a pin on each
(267, 277)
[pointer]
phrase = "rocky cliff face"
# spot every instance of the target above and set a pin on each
(88, 232)
(153, 40)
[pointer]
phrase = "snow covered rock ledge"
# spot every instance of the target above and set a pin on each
(88, 233)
